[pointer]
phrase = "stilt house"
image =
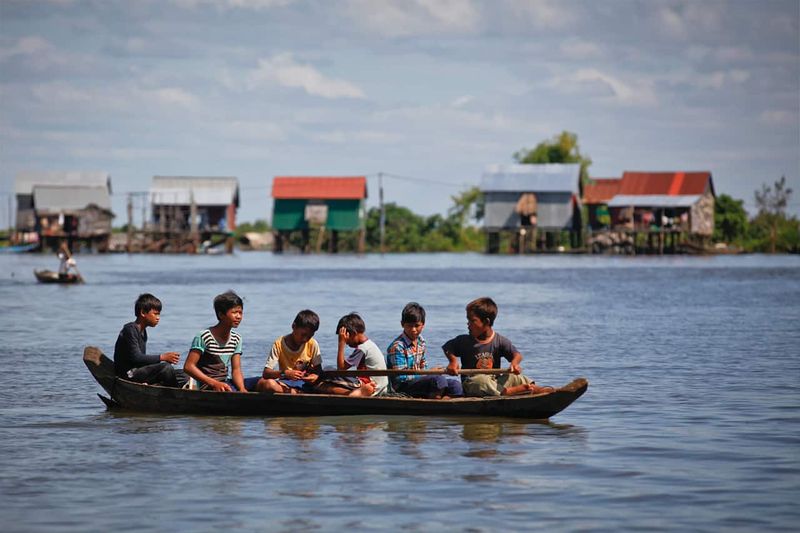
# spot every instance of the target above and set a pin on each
(319, 203)
(64, 206)
(535, 204)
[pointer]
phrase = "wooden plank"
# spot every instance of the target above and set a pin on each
(411, 372)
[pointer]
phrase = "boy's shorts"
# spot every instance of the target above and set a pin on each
(487, 385)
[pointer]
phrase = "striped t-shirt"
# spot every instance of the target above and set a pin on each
(214, 357)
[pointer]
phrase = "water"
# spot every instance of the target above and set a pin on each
(691, 420)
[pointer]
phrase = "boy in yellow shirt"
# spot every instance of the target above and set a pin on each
(295, 361)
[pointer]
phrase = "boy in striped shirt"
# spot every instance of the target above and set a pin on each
(218, 348)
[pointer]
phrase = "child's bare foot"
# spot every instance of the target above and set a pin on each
(536, 389)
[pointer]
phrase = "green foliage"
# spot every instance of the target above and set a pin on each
(730, 219)
(772, 219)
(259, 226)
(562, 148)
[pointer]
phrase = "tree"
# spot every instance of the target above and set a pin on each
(730, 219)
(772, 208)
(562, 148)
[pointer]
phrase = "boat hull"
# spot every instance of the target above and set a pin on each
(156, 399)
(48, 276)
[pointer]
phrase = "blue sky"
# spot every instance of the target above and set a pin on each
(429, 89)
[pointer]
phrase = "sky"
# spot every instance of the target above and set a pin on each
(428, 92)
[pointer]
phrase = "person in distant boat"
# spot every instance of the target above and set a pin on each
(297, 357)
(408, 351)
(131, 361)
(483, 348)
(218, 349)
(66, 262)
(352, 331)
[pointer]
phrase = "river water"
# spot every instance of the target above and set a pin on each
(691, 420)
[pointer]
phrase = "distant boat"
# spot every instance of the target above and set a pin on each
(157, 399)
(19, 248)
(50, 276)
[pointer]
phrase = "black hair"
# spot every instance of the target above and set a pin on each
(353, 323)
(145, 303)
(413, 313)
(225, 302)
(307, 319)
(484, 308)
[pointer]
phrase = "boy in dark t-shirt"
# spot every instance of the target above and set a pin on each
(130, 351)
(484, 348)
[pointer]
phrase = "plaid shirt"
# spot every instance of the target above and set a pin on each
(401, 354)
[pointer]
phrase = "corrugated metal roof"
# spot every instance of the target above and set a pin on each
(319, 187)
(671, 183)
(25, 181)
(58, 198)
(531, 178)
(600, 190)
(654, 200)
(179, 190)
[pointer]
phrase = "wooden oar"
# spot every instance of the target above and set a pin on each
(410, 372)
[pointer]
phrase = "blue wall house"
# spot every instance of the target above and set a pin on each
(535, 204)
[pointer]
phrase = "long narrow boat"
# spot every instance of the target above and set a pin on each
(48, 276)
(157, 399)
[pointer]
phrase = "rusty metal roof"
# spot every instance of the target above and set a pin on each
(553, 177)
(669, 183)
(205, 191)
(319, 187)
(61, 198)
(600, 190)
(26, 181)
(654, 200)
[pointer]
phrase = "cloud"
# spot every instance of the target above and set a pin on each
(543, 14)
(461, 101)
(578, 49)
(779, 117)
(606, 86)
(365, 136)
(686, 20)
(223, 5)
(404, 18)
(172, 96)
(284, 70)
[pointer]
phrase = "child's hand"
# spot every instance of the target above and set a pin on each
(220, 386)
(310, 378)
(291, 373)
(171, 357)
(342, 336)
(452, 368)
(514, 368)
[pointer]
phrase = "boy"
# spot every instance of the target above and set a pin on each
(131, 361)
(366, 355)
(408, 351)
(483, 348)
(217, 347)
(297, 355)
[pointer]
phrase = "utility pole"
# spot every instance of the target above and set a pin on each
(382, 224)
(130, 222)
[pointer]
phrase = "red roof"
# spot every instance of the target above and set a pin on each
(600, 190)
(667, 183)
(319, 187)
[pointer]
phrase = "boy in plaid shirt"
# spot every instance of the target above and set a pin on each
(408, 351)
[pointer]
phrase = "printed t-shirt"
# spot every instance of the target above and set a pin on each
(215, 357)
(474, 354)
(368, 355)
(306, 357)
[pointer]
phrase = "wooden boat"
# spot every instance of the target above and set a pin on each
(19, 248)
(157, 399)
(50, 276)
